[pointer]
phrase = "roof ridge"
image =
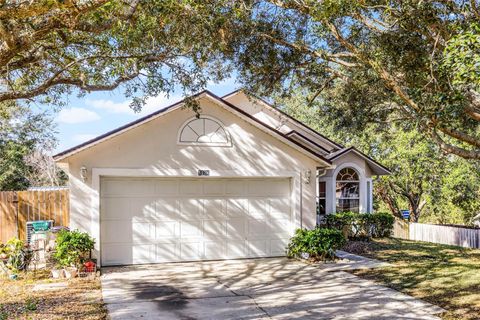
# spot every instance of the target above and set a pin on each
(161, 111)
(285, 114)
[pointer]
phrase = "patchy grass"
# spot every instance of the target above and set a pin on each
(446, 276)
(81, 299)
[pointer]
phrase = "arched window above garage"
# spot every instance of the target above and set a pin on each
(206, 131)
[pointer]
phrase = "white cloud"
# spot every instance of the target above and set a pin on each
(82, 137)
(77, 115)
(110, 106)
(152, 104)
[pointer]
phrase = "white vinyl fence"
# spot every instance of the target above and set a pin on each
(457, 236)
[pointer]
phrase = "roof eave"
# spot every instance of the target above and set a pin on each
(378, 168)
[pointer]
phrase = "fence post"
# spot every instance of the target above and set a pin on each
(15, 206)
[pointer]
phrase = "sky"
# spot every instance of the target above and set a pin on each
(96, 113)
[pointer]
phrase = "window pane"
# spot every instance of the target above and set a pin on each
(321, 189)
(344, 205)
(347, 174)
(347, 190)
(320, 206)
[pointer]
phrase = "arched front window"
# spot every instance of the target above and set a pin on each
(348, 190)
(204, 130)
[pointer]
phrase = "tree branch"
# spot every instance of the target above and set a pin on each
(468, 154)
(318, 54)
(460, 136)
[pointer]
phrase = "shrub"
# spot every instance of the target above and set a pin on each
(361, 226)
(383, 226)
(318, 244)
(340, 220)
(72, 248)
(17, 253)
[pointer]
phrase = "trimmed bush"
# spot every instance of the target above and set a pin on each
(383, 226)
(316, 244)
(72, 248)
(361, 226)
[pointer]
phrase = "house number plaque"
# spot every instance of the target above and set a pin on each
(203, 173)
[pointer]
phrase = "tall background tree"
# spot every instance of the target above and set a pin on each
(26, 139)
(435, 186)
(415, 60)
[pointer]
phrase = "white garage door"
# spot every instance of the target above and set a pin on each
(162, 220)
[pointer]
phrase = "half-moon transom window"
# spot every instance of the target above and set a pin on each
(204, 131)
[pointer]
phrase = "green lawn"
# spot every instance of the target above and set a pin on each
(443, 275)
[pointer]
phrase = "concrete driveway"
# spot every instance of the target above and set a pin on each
(274, 288)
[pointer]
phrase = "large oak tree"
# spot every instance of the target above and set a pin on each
(411, 60)
(401, 60)
(49, 48)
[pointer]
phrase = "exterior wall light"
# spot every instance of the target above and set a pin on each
(83, 173)
(307, 174)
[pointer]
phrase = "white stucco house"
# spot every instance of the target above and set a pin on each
(234, 182)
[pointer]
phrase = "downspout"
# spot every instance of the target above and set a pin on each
(321, 173)
(301, 200)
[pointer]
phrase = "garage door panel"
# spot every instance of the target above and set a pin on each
(257, 248)
(191, 250)
(143, 207)
(282, 215)
(279, 226)
(143, 253)
(257, 228)
(116, 231)
(236, 207)
(190, 187)
(213, 187)
(236, 228)
(236, 249)
(166, 252)
(214, 208)
(143, 232)
(214, 229)
(118, 208)
(166, 187)
(235, 188)
(214, 250)
(278, 246)
(279, 205)
(191, 209)
(166, 209)
(116, 254)
(258, 207)
(192, 228)
(268, 187)
(169, 220)
(130, 187)
(167, 229)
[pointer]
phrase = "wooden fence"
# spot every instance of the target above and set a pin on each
(18, 207)
(456, 236)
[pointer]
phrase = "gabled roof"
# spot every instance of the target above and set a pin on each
(286, 139)
(283, 113)
(377, 168)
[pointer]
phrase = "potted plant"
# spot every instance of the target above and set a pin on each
(72, 250)
(57, 272)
